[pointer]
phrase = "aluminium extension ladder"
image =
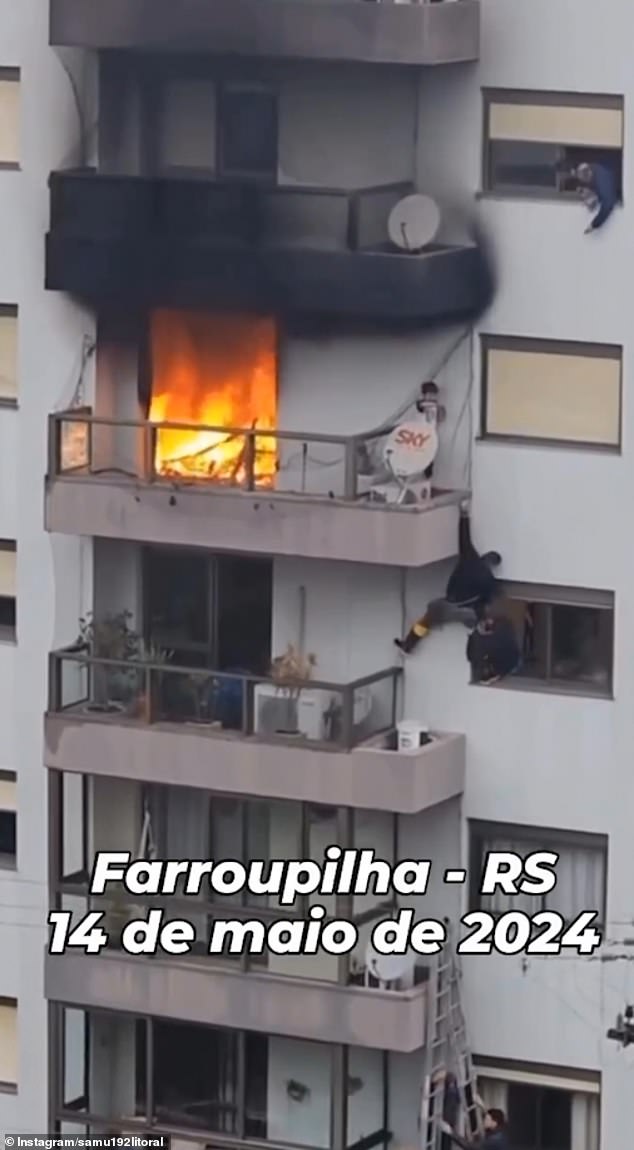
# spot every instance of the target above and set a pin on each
(447, 1052)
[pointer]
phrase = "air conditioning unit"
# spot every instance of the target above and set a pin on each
(279, 711)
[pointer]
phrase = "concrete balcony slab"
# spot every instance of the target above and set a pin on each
(416, 34)
(193, 991)
(368, 776)
(258, 523)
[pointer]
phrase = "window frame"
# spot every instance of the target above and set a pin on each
(489, 343)
(12, 311)
(339, 1079)
(480, 832)
(9, 634)
(13, 75)
(545, 99)
(552, 596)
(8, 861)
(11, 1003)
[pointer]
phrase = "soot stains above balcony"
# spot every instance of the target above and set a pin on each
(239, 247)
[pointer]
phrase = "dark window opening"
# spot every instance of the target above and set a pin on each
(197, 1081)
(8, 836)
(248, 130)
(539, 1118)
(7, 616)
(212, 612)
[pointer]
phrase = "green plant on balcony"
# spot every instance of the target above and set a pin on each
(110, 637)
(290, 673)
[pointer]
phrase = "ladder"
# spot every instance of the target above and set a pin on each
(448, 1061)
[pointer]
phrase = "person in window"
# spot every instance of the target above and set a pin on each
(471, 588)
(598, 187)
(493, 649)
(495, 1136)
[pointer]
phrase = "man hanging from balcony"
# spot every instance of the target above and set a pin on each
(472, 586)
(598, 188)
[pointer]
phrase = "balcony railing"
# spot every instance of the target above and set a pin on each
(89, 203)
(349, 468)
(315, 712)
(206, 913)
(174, 242)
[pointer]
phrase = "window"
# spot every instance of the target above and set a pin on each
(566, 636)
(8, 355)
(7, 589)
(247, 132)
(9, 117)
(547, 1108)
(8, 809)
(243, 1086)
(581, 870)
(8, 1045)
(559, 392)
(532, 140)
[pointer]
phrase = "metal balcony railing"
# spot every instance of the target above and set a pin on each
(338, 716)
(340, 467)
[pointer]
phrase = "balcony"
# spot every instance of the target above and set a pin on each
(192, 991)
(102, 481)
(291, 250)
(380, 33)
(318, 742)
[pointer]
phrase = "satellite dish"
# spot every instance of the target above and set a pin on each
(410, 448)
(389, 967)
(414, 223)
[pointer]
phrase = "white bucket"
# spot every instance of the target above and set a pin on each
(411, 734)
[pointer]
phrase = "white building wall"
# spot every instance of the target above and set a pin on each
(557, 516)
(48, 571)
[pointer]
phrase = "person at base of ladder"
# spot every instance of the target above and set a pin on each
(472, 586)
(494, 1138)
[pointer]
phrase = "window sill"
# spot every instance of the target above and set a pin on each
(550, 687)
(8, 1088)
(9, 166)
(551, 444)
(7, 403)
(8, 636)
(8, 863)
(526, 195)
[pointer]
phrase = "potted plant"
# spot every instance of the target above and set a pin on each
(149, 686)
(109, 637)
(119, 912)
(290, 672)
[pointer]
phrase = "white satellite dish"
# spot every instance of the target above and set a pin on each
(389, 967)
(414, 223)
(410, 448)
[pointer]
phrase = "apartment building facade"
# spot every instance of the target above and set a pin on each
(198, 271)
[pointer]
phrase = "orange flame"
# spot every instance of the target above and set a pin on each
(219, 371)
